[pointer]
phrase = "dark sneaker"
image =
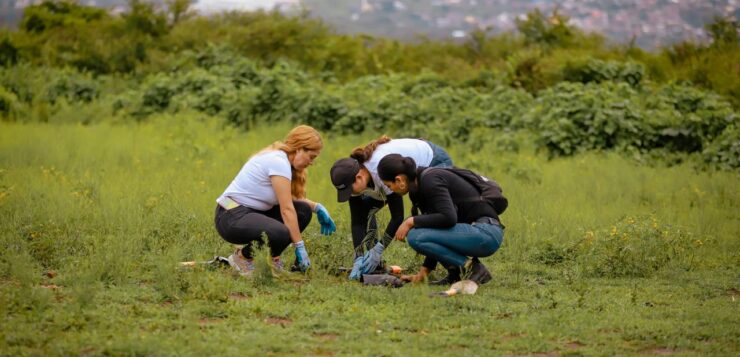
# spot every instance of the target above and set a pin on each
(453, 276)
(477, 272)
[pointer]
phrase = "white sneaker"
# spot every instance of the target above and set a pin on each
(240, 264)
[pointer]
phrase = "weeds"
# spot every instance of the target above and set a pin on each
(637, 247)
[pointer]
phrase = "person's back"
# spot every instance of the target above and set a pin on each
(252, 186)
(445, 198)
(417, 149)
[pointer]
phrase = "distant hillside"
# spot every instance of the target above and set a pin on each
(650, 23)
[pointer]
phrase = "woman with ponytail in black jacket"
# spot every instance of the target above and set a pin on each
(455, 227)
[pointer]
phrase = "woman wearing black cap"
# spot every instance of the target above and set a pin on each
(356, 180)
(455, 228)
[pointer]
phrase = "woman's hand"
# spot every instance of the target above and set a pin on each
(327, 224)
(415, 278)
(404, 229)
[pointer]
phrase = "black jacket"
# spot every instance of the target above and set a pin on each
(445, 199)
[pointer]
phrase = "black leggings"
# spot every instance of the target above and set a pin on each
(243, 225)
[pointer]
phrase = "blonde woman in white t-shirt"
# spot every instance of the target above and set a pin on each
(268, 196)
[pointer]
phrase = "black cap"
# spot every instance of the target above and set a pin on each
(343, 176)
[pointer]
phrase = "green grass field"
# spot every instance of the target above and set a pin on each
(602, 256)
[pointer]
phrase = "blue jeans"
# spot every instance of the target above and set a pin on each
(440, 157)
(453, 246)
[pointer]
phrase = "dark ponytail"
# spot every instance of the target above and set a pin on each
(393, 165)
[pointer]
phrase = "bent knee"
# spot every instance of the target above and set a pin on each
(415, 238)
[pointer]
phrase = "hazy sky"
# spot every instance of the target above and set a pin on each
(206, 6)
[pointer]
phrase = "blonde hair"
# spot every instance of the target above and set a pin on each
(364, 153)
(301, 137)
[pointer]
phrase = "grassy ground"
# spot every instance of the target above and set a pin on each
(601, 256)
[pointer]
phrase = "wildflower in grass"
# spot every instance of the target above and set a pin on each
(589, 238)
(633, 247)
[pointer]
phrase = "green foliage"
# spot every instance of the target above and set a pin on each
(597, 71)
(145, 40)
(50, 15)
(9, 104)
(143, 18)
(686, 119)
(178, 9)
(724, 151)
(73, 87)
(8, 52)
(551, 31)
(636, 247)
(724, 31)
(322, 110)
(573, 117)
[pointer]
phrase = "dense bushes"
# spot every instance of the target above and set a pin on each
(724, 151)
(8, 104)
(597, 71)
(571, 117)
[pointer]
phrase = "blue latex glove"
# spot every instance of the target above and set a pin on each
(327, 225)
(356, 274)
(301, 255)
(371, 259)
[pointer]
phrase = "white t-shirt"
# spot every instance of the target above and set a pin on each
(252, 186)
(416, 149)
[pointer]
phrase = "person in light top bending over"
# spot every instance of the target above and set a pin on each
(356, 180)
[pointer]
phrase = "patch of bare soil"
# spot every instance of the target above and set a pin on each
(278, 321)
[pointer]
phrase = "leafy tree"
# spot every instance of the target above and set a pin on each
(54, 14)
(178, 9)
(547, 31)
(724, 31)
(143, 18)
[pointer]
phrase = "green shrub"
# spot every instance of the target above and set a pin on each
(724, 151)
(157, 93)
(322, 110)
(8, 52)
(594, 70)
(279, 99)
(573, 117)
(502, 106)
(686, 119)
(72, 86)
(239, 108)
(56, 14)
(9, 104)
